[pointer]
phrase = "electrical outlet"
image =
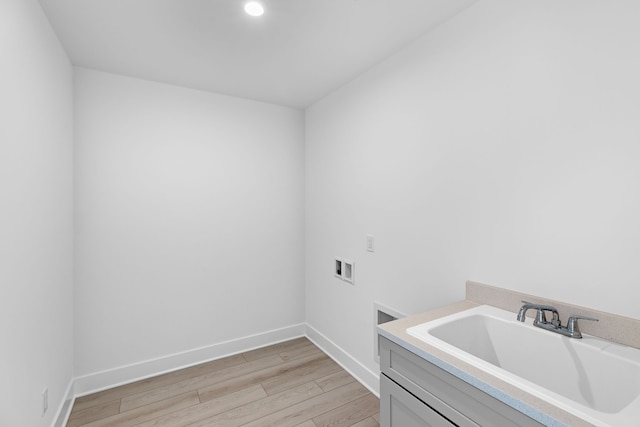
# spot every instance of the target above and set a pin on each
(45, 401)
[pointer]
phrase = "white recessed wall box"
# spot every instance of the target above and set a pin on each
(344, 269)
(348, 270)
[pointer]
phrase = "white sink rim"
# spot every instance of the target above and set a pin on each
(629, 414)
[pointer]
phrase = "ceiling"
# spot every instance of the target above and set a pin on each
(296, 53)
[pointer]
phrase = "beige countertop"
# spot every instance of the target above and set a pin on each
(513, 396)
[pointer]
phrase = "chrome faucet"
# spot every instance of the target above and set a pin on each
(571, 330)
(541, 317)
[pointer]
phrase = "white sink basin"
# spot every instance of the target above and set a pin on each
(592, 378)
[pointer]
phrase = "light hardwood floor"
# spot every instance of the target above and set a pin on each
(287, 384)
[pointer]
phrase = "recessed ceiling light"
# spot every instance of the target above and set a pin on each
(254, 8)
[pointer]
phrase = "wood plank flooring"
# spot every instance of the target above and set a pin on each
(288, 384)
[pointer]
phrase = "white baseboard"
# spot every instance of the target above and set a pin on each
(64, 411)
(363, 374)
(99, 381)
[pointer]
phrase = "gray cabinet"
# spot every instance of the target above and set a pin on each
(399, 408)
(415, 392)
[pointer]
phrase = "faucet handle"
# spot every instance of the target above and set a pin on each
(572, 324)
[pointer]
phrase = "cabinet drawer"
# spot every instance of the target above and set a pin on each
(458, 401)
(399, 408)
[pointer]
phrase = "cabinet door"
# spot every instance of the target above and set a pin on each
(463, 404)
(399, 408)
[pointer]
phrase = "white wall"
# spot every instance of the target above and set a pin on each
(503, 147)
(36, 253)
(189, 219)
